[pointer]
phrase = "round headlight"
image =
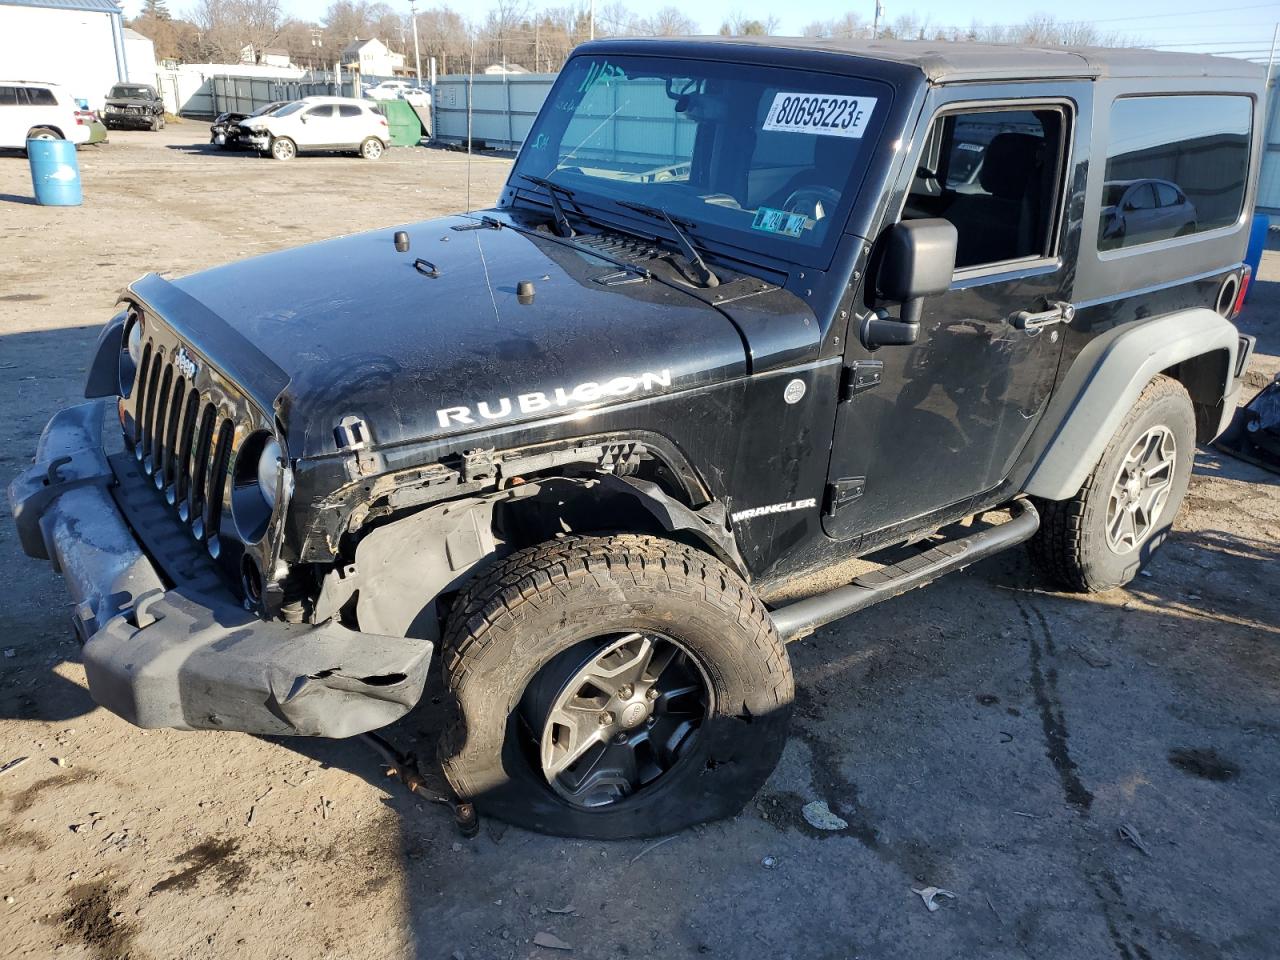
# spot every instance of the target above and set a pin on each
(131, 353)
(134, 343)
(260, 471)
(269, 471)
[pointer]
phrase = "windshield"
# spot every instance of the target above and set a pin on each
(761, 158)
(130, 93)
(289, 108)
(268, 109)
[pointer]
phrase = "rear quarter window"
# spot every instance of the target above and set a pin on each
(1176, 166)
(41, 97)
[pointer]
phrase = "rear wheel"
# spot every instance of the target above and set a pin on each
(282, 148)
(371, 149)
(611, 687)
(43, 133)
(1106, 533)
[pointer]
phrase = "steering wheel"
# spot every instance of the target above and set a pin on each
(813, 202)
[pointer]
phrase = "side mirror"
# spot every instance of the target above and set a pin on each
(916, 260)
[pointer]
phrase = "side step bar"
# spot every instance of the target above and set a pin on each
(799, 619)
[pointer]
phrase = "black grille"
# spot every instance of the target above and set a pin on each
(182, 442)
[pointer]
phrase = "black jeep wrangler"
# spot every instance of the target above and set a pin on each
(134, 105)
(759, 333)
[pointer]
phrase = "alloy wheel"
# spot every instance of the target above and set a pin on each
(1141, 489)
(615, 714)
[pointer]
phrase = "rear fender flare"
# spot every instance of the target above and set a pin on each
(1108, 376)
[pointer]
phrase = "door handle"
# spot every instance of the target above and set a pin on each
(1058, 312)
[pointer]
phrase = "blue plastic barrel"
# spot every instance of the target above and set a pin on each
(1257, 240)
(55, 172)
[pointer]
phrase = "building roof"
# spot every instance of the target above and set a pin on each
(951, 61)
(356, 45)
(98, 6)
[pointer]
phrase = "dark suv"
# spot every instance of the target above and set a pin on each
(134, 105)
(760, 332)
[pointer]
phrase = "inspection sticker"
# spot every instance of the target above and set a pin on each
(827, 115)
(780, 221)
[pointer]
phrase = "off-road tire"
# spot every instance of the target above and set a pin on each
(282, 148)
(540, 601)
(1071, 548)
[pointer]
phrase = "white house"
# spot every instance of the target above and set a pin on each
(79, 44)
(372, 58)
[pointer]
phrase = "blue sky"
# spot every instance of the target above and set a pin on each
(1232, 24)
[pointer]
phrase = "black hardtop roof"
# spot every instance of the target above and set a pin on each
(943, 61)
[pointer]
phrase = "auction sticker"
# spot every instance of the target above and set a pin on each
(828, 115)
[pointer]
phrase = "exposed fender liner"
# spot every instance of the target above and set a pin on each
(709, 525)
(104, 369)
(1105, 380)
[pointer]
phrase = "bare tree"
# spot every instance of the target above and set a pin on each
(667, 22)
(849, 27)
(739, 25)
(228, 26)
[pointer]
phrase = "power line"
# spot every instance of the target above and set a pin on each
(1151, 16)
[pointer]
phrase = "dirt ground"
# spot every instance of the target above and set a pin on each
(980, 735)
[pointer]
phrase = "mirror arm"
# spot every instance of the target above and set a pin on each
(878, 329)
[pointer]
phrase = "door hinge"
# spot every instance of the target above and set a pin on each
(841, 493)
(858, 376)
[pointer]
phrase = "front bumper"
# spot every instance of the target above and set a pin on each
(187, 655)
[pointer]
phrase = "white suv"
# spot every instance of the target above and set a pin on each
(39, 111)
(320, 123)
(398, 90)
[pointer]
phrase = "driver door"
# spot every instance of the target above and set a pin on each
(933, 427)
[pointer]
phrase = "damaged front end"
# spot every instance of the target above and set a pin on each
(167, 644)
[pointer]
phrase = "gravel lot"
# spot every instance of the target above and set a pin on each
(981, 735)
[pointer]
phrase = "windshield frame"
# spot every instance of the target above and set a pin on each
(130, 91)
(709, 236)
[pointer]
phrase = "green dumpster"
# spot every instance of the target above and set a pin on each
(405, 124)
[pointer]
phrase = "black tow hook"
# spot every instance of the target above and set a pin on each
(405, 768)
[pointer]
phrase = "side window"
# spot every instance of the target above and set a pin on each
(348, 110)
(1193, 154)
(41, 97)
(996, 175)
(320, 113)
(8, 96)
(1141, 197)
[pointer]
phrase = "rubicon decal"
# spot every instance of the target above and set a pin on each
(557, 399)
(774, 508)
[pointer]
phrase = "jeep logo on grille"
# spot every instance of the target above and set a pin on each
(185, 364)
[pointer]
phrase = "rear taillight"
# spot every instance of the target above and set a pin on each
(383, 121)
(1245, 276)
(83, 117)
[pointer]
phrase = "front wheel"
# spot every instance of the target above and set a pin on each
(282, 148)
(1106, 533)
(371, 149)
(612, 687)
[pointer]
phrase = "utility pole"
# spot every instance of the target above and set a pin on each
(875, 24)
(593, 19)
(417, 54)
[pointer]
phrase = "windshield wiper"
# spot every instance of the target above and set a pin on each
(563, 227)
(702, 273)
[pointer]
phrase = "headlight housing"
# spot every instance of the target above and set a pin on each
(130, 351)
(261, 472)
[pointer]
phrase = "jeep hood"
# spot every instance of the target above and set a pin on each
(435, 341)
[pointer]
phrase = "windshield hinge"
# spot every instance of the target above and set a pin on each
(859, 376)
